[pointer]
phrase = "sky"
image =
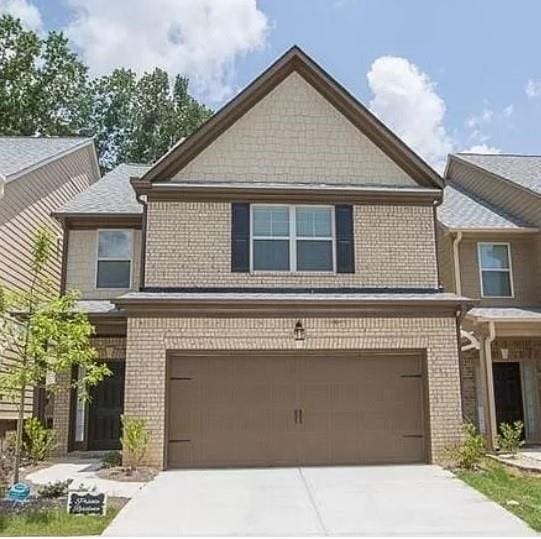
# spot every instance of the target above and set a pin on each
(446, 76)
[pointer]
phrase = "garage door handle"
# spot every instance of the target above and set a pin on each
(295, 416)
(300, 416)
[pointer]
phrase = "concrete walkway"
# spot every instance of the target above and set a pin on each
(83, 474)
(369, 500)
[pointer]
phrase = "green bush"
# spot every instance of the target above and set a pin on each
(39, 442)
(55, 489)
(510, 437)
(112, 459)
(469, 453)
(135, 438)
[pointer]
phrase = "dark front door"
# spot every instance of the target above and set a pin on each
(508, 393)
(105, 409)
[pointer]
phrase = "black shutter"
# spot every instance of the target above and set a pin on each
(240, 237)
(345, 254)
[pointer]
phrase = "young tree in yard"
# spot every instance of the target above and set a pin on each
(47, 335)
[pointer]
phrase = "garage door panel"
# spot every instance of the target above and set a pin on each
(240, 410)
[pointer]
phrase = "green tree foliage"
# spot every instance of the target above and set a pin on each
(43, 85)
(47, 335)
(45, 90)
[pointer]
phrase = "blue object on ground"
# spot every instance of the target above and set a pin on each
(18, 493)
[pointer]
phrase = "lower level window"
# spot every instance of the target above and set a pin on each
(292, 238)
(114, 259)
(495, 270)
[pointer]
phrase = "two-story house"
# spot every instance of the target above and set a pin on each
(37, 175)
(490, 242)
(267, 293)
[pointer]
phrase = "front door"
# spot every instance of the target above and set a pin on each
(106, 407)
(508, 393)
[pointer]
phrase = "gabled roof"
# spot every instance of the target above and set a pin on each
(19, 155)
(112, 194)
(295, 60)
(461, 210)
(522, 170)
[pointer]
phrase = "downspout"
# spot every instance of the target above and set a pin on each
(142, 264)
(456, 262)
(490, 411)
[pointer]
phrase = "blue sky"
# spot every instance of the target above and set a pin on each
(445, 75)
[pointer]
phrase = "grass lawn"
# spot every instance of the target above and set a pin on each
(54, 522)
(498, 484)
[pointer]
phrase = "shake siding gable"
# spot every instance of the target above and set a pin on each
(294, 134)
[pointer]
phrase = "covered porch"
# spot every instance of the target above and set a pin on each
(501, 370)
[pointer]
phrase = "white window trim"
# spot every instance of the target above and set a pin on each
(292, 238)
(509, 270)
(130, 259)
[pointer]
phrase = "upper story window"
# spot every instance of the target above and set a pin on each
(495, 270)
(114, 263)
(292, 238)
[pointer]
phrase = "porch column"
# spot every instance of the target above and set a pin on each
(487, 384)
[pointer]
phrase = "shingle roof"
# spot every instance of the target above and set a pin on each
(463, 210)
(20, 153)
(91, 306)
(524, 170)
(526, 314)
(112, 194)
(289, 297)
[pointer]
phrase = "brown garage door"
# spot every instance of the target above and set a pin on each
(270, 410)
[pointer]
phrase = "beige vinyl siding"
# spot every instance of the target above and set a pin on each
(511, 198)
(445, 259)
(26, 206)
(81, 265)
(523, 251)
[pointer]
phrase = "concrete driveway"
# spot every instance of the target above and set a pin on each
(367, 500)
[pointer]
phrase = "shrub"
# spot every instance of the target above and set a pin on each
(510, 437)
(469, 453)
(135, 438)
(112, 459)
(39, 442)
(55, 489)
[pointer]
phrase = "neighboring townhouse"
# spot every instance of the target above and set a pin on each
(37, 176)
(267, 293)
(489, 242)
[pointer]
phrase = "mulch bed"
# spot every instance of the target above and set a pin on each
(33, 504)
(120, 473)
(36, 504)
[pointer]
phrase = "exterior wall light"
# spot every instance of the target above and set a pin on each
(299, 331)
(505, 353)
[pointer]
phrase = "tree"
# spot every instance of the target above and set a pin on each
(138, 120)
(45, 90)
(47, 335)
(43, 85)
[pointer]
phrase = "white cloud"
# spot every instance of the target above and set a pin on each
(406, 100)
(508, 111)
(482, 148)
(533, 89)
(26, 11)
(197, 38)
